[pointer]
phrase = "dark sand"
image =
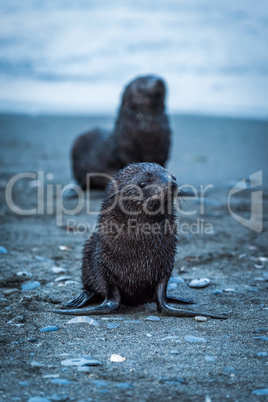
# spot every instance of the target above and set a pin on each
(205, 151)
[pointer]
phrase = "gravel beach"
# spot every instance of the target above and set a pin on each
(46, 356)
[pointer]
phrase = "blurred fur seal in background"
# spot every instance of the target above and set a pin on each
(130, 257)
(141, 134)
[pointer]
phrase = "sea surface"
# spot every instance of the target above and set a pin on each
(62, 56)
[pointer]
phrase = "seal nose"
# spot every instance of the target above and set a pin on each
(156, 86)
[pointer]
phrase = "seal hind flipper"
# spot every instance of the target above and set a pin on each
(165, 309)
(110, 305)
(179, 300)
(85, 297)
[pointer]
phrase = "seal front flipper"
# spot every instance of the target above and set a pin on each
(176, 300)
(85, 297)
(165, 309)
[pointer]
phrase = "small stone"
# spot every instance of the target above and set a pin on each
(32, 339)
(34, 363)
(49, 328)
(59, 398)
(84, 369)
(24, 383)
(30, 285)
(42, 259)
(9, 292)
(58, 270)
(79, 362)
(24, 274)
(172, 380)
(176, 279)
(171, 337)
(200, 318)
(227, 290)
(229, 369)
(174, 352)
(60, 381)
(259, 266)
(199, 283)
(149, 335)
(72, 282)
(218, 292)
(209, 359)
(123, 385)
(64, 248)
(171, 286)
(192, 339)
(112, 325)
(133, 321)
(262, 354)
(16, 320)
(261, 338)
(85, 320)
(263, 391)
(100, 383)
(152, 318)
(117, 358)
(261, 330)
(38, 399)
(51, 376)
(243, 255)
(62, 278)
(3, 250)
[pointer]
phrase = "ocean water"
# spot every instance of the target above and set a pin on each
(63, 56)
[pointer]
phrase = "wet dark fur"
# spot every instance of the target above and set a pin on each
(141, 134)
(133, 262)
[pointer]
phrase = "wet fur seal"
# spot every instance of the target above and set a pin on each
(130, 257)
(141, 134)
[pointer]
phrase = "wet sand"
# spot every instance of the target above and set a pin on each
(160, 364)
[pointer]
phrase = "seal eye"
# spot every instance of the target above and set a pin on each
(173, 177)
(143, 184)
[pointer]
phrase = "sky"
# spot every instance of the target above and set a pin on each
(76, 57)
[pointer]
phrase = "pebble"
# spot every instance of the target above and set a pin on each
(82, 361)
(229, 290)
(30, 285)
(112, 325)
(263, 391)
(58, 270)
(59, 398)
(51, 376)
(229, 369)
(117, 358)
(3, 250)
(24, 274)
(49, 328)
(173, 380)
(170, 337)
(62, 278)
(64, 248)
(85, 320)
(24, 383)
(38, 399)
(34, 363)
(261, 330)
(171, 286)
(199, 283)
(123, 385)
(100, 383)
(60, 381)
(32, 339)
(174, 352)
(218, 292)
(262, 338)
(200, 318)
(84, 369)
(176, 279)
(191, 338)
(152, 318)
(133, 321)
(42, 259)
(72, 282)
(9, 292)
(262, 354)
(209, 359)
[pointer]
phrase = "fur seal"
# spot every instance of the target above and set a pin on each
(130, 257)
(141, 134)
